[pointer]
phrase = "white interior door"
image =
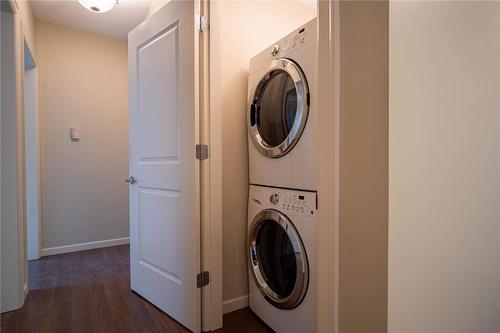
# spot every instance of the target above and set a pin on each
(164, 201)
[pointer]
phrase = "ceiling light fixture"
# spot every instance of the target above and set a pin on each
(98, 6)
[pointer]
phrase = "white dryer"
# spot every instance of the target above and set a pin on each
(281, 254)
(282, 112)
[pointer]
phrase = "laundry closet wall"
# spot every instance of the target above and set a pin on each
(83, 81)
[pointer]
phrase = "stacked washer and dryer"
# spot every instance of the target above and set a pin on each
(282, 206)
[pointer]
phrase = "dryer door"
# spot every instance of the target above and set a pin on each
(279, 107)
(278, 259)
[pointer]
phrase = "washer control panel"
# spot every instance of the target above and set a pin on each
(294, 203)
(275, 198)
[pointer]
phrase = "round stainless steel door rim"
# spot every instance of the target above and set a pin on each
(293, 70)
(298, 293)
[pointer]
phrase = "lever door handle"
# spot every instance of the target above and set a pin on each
(131, 180)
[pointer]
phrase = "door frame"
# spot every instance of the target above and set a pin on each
(328, 229)
(211, 168)
(347, 194)
(17, 264)
(35, 138)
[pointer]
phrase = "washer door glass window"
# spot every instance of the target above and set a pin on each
(278, 260)
(279, 109)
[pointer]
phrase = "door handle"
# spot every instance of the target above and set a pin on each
(131, 180)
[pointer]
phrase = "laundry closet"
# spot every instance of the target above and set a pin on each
(253, 35)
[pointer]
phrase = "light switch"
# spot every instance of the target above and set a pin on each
(74, 132)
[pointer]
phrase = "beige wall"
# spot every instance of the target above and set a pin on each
(247, 28)
(364, 132)
(444, 230)
(83, 81)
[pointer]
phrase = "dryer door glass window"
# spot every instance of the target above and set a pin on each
(277, 108)
(278, 259)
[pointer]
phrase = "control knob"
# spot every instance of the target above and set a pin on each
(275, 198)
(275, 50)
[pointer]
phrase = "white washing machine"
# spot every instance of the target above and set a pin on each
(282, 112)
(281, 254)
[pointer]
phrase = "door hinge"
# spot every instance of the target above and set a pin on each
(201, 152)
(201, 22)
(202, 279)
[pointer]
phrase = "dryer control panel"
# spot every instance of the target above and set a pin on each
(295, 40)
(294, 203)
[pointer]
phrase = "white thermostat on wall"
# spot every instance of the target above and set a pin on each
(74, 132)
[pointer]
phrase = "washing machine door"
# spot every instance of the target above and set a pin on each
(279, 107)
(278, 260)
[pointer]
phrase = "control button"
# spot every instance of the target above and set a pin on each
(275, 198)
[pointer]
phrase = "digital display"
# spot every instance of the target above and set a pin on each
(301, 197)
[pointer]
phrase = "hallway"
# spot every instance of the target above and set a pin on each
(89, 291)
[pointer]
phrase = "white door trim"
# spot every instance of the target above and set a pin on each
(329, 189)
(211, 169)
(14, 6)
(32, 153)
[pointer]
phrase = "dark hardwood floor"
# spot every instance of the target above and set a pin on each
(89, 291)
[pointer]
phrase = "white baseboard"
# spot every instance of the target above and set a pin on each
(84, 246)
(234, 304)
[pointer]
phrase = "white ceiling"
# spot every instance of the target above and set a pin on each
(115, 23)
